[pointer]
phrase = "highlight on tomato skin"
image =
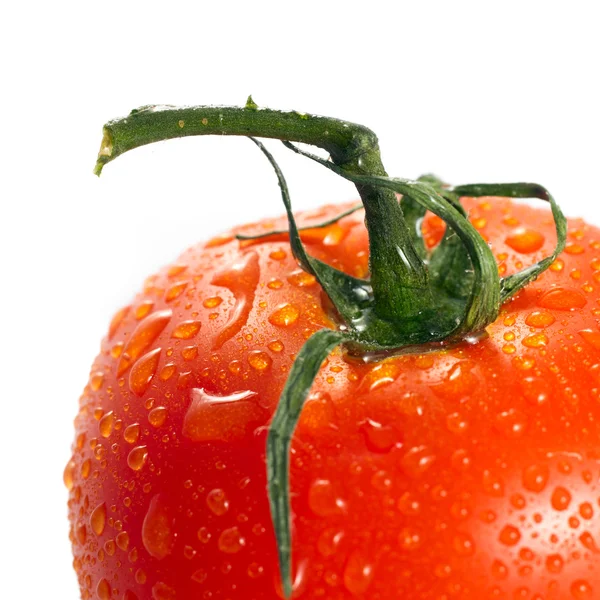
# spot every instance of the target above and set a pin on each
(468, 472)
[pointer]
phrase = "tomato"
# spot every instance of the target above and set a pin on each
(465, 471)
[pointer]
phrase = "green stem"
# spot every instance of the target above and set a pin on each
(398, 275)
(391, 311)
(320, 225)
(510, 285)
(294, 394)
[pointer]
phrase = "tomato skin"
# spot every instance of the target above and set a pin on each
(470, 472)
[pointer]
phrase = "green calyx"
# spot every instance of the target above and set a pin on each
(413, 298)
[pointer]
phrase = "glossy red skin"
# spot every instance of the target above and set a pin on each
(407, 474)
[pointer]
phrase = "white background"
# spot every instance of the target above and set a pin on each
(473, 91)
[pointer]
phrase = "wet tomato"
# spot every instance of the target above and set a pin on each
(468, 472)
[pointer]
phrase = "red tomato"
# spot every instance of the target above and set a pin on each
(471, 472)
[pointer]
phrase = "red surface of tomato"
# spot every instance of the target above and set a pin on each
(471, 472)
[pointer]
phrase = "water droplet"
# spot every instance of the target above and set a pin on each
(132, 433)
(122, 540)
(204, 535)
(175, 291)
(381, 481)
(285, 315)
(255, 570)
(144, 309)
(535, 477)
(142, 338)
(103, 590)
(318, 413)
(186, 330)
(222, 418)
(324, 500)
(540, 319)
(161, 591)
(525, 241)
(175, 270)
(199, 576)
(417, 461)
(379, 376)
(81, 532)
(488, 516)
(535, 390)
(110, 547)
(259, 360)
(212, 302)
(140, 576)
(591, 337)
(129, 595)
(456, 423)
(561, 498)
(69, 475)
(117, 350)
(278, 254)
(98, 519)
(463, 544)
(168, 371)
(136, 459)
(157, 416)
(443, 571)
(276, 346)
(523, 363)
(189, 352)
(231, 541)
(275, 284)
(331, 235)
(492, 484)
(223, 238)
(554, 563)
(329, 542)
(99, 451)
(241, 279)
(509, 535)
(586, 510)
(106, 424)
(96, 380)
(116, 321)
(409, 504)
(461, 459)
(157, 532)
(587, 539)
(511, 423)
(301, 278)
(458, 382)
(378, 437)
(143, 371)
(560, 298)
(409, 539)
(358, 573)
(535, 340)
(217, 501)
(574, 522)
(574, 248)
(581, 590)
